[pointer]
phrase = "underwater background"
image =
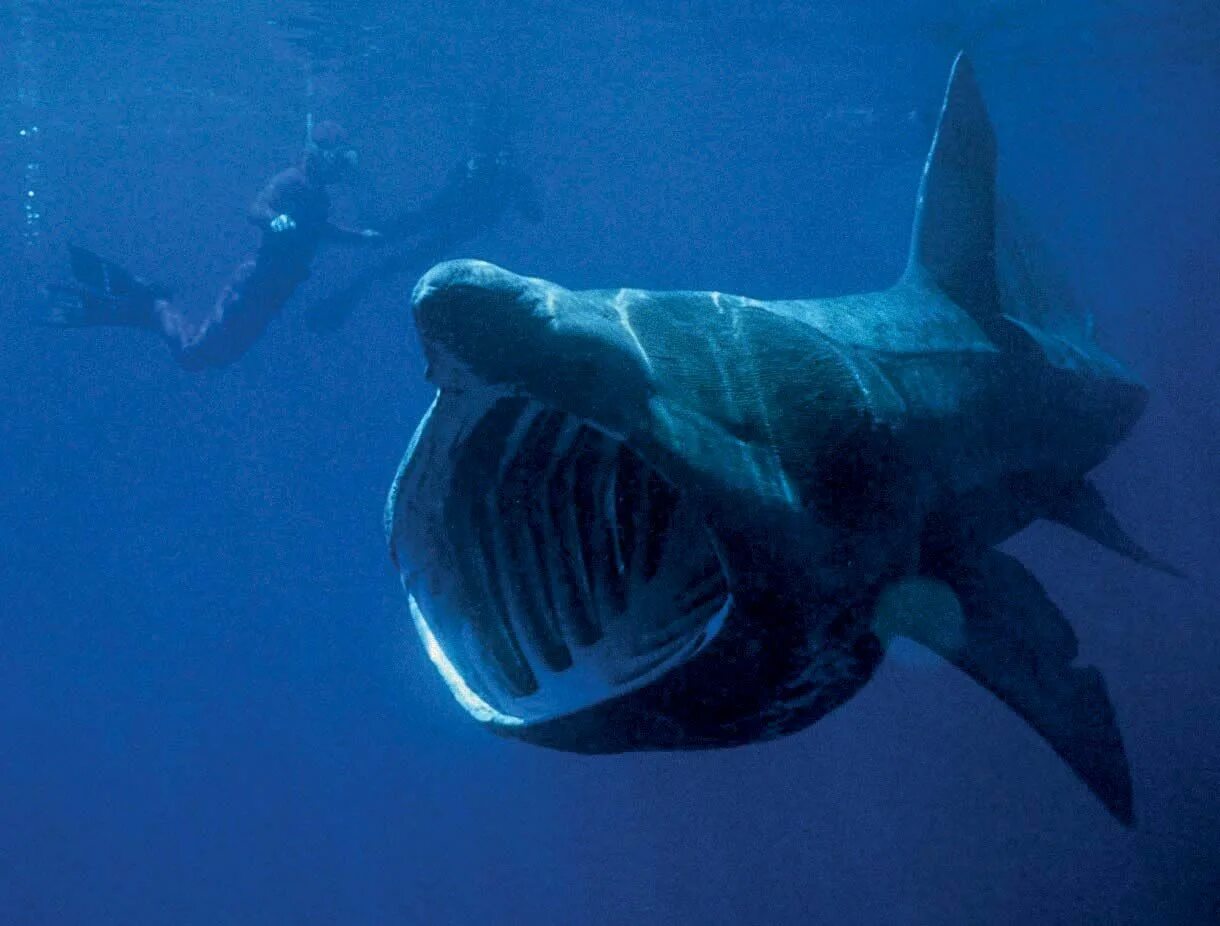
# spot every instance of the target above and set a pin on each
(213, 708)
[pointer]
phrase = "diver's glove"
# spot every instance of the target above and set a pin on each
(283, 223)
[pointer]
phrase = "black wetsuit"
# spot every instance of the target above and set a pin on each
(261, 284)
(475, 196)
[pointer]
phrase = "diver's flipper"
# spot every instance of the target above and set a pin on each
(101, 275)
(105, 276)
(106, 295)
(61, 307)
(1085, 511)
(1015, 643)
(81, 307)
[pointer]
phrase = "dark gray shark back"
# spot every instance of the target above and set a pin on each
(953, 359)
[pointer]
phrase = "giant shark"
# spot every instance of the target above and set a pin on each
(670, 520)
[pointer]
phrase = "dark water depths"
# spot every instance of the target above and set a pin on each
(212, 707)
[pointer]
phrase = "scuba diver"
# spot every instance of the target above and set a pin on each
(477, 193)
(293, 213)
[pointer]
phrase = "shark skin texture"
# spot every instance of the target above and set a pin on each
(640, 520)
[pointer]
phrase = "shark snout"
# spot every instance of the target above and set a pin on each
(530, 337)
(476, 317)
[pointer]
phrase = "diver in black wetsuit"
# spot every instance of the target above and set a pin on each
(292, 211)
(477, 193)
(475, 196)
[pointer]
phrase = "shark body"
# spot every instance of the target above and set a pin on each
(672, 520)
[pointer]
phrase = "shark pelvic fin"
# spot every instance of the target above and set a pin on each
(1085, 511)
(1007, 635)
(953, 241)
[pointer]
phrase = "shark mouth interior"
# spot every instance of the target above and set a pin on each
(552, 568)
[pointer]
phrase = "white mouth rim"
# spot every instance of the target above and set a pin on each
(466, 696)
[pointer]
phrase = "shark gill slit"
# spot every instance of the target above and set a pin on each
(570, 574)
(478, 559)
(521, 521)
(571, 537)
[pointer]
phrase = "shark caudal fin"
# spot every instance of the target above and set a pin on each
(992, 619)
(953, 241)
(1034, 285)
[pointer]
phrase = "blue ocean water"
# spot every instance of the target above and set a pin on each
(213, 708)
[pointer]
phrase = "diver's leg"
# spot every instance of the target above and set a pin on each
(251, 298)
(331, 312)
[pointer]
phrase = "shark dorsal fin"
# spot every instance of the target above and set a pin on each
(953, 242)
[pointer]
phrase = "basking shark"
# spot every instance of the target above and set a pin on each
(672, 520)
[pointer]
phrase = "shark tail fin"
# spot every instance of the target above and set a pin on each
(1035, 286)
(1085, 511)
(953, 241)
(1007, 635)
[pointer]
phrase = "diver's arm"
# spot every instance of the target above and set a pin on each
(266, 212)
(344, 234)
(432, 212)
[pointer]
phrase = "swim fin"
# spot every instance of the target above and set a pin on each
(99, 274)
(68, 307)
(106, 295)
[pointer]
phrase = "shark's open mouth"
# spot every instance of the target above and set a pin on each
(550, 568)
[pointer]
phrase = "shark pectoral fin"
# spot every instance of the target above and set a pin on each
(1005, 633)
(953, 241)
(920, 609)
(1085, 511)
